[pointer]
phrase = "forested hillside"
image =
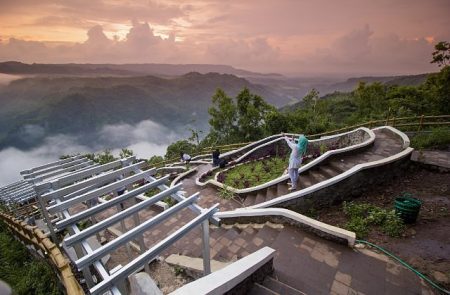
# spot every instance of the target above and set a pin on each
(36, 107)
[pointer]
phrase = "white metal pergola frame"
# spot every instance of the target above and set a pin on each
(80, 181)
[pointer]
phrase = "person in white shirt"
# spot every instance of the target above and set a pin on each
(295, 159)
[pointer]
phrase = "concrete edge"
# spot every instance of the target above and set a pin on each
(182, 175)
(223, 280)
(405, 138)
(302, 219)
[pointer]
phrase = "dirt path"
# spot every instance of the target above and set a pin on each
(425, 244)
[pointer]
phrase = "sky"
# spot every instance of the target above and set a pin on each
(305, 37)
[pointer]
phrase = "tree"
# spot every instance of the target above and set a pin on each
(371, 100)
(155, 160)
(238, 119)
(222, 116)
(437, 91)
(175, 148)
(105, 157)
(252, 112)
(311, 99)
(125, 153)
(276, 122)
(442, 53)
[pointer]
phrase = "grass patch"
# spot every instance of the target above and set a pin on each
(437, 138)
(362, 217)
(24, 273)
(224, 193)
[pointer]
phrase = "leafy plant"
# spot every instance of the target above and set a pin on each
(362, 216)
(224, 193)
(393, 224)
(359, 225)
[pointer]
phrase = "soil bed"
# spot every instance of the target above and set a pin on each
(425, 245)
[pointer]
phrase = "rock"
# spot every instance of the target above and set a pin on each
(360, 246)
(440, 277)
(142, 284)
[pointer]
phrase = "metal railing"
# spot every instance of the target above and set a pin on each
(34, 237)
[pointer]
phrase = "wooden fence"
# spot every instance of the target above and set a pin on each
(33, 236)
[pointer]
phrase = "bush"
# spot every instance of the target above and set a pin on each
(393, 225)
(437, 138)
(362, 216)
(359, 225)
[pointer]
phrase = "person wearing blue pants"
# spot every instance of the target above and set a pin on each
(295, 159)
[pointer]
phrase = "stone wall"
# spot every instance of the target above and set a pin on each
(349, 188)
(314, 147)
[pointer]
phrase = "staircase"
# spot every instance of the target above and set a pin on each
(386, 144)
(233, 242)
(272, 286)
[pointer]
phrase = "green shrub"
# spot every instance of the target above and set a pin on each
(437, 138)
(358, 225)
(354, 210)
(362, 216)
(393, 225)
(376, 215)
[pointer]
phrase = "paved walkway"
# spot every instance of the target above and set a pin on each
(437, 159)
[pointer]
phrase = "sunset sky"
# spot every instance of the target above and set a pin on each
(285, 36)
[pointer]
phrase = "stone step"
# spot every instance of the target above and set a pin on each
(327, 171)
(316, 176)
(249, 200)
(282, 189)
(271, 193)
(335, 168)
(280, 287)
(304, 181)
(259, 289)
(341, 164)
(260, 197)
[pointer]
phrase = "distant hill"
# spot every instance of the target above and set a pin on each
(343, 89)
(35, 107)
(18, 68)
(352, 83)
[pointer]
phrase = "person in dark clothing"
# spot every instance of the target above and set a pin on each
(215, 157)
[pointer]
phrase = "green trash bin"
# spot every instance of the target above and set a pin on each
(407, 208)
